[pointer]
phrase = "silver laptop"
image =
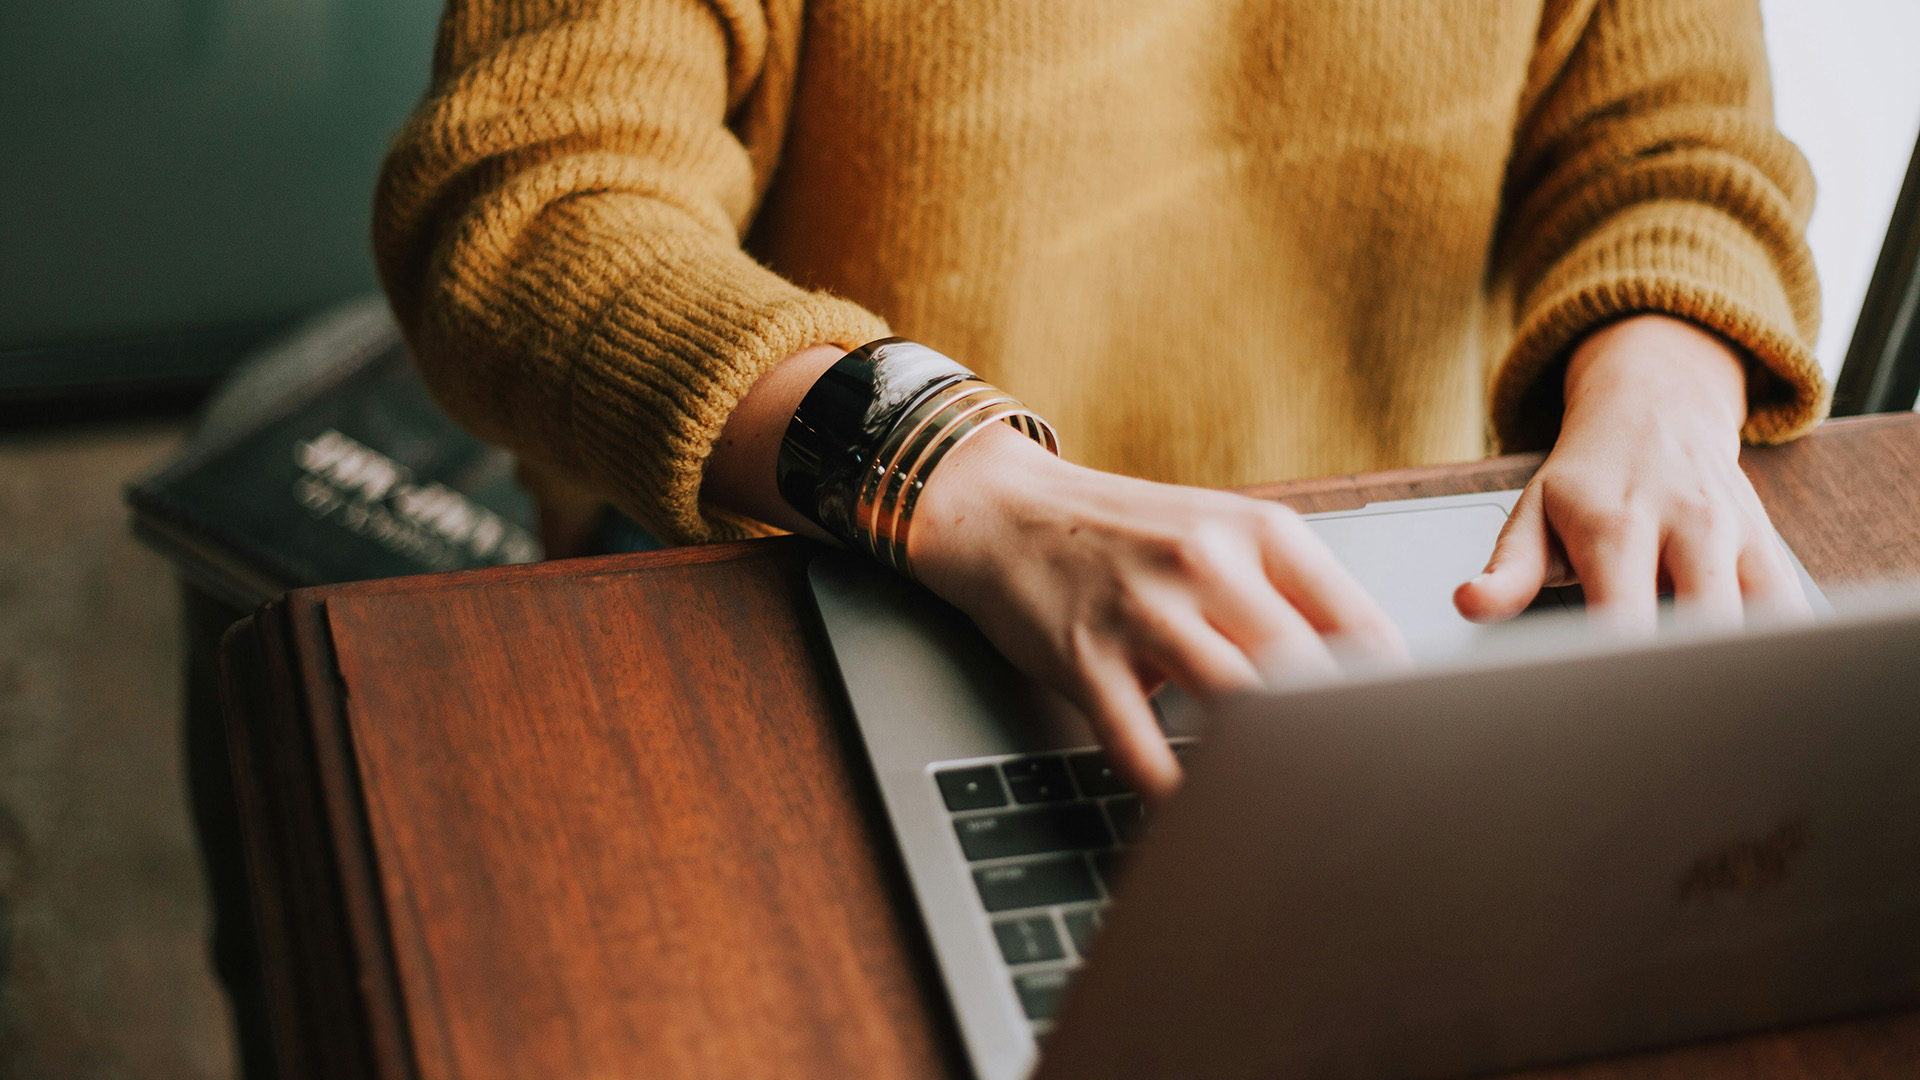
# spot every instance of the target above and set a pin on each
(1499, 933)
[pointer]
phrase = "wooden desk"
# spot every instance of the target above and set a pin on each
(608, 818)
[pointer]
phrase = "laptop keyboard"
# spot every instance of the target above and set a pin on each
(1044, 836)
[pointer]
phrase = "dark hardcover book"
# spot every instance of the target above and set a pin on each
(326, 461)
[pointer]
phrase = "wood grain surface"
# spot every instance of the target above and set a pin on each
(608, 817)
(620, 834)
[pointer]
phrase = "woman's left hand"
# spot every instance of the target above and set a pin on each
(1643, 492)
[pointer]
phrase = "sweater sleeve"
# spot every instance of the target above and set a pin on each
(1647, 176)
(558, 227)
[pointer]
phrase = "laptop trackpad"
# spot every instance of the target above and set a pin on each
(1411, 560)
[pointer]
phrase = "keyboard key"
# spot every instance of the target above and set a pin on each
(1096, 775)
(1029, 940)
(1040, 992)
(1073, 827)
(1035, 884)
(1129, 817)
(977, 788)
(1108, 863)
(1081, 926)
(1040, 779)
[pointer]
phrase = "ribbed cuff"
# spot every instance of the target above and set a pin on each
(1675, 258)
(646, 424)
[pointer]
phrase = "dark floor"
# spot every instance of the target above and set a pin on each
(102, 914)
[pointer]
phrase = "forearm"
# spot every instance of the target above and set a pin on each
(741, 474)
(558, 228)
(1649, 177)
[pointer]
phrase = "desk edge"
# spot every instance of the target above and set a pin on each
(335, 1013)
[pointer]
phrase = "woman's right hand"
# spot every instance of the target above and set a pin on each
(1104, 586)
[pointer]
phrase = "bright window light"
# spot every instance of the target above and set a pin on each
(1847, 91)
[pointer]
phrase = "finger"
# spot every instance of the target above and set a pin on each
(1324, 593)
(1704, 569)
(1769, 581)
(1518, 569)
(1618, 560)
(1123, 719)
(1265, 628)
(1182, 645)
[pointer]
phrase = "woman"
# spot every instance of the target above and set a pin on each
(1212, 243)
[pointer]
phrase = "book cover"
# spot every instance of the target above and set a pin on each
(337, 466)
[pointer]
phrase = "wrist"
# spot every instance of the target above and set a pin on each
(1658, 364)
(977, 485)
(740, 474)
(874, 430)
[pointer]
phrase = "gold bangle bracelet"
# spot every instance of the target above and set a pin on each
(962, 414)
(898, 472)
(1012, 412)
(905, 444)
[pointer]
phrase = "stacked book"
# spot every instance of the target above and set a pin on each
(323, 459)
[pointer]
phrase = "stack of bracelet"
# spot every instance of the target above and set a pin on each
(870, 433)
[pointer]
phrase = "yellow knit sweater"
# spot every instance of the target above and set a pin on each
(1213, 241)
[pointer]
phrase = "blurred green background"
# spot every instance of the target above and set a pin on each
(179, 178)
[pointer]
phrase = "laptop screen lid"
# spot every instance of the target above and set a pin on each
(1486, 868)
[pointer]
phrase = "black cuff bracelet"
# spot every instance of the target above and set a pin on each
(843, 421)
